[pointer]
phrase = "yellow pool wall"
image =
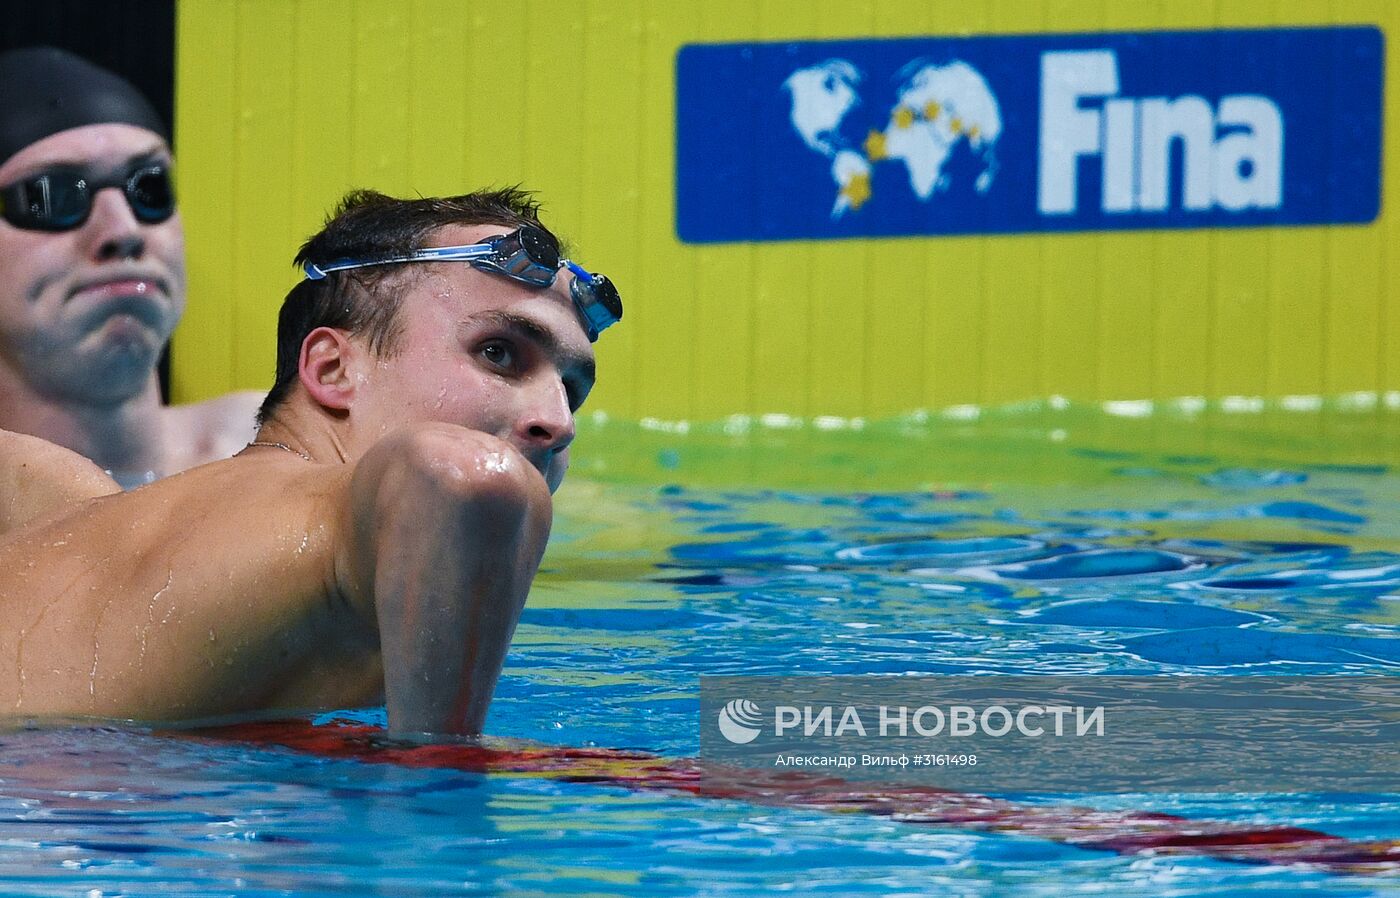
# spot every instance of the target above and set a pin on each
(284, 105)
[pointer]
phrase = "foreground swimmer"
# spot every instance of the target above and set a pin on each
(92, 274)
(377, 539)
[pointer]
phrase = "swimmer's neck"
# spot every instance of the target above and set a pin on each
(125, 436)
(306, 430)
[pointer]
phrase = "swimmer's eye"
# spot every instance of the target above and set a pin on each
(499, 353)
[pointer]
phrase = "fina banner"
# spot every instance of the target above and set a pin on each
(1023, 134)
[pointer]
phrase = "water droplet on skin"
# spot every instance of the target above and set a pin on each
(496, 462)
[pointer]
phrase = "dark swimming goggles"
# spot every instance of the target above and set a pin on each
(61, 199)
(527, 255)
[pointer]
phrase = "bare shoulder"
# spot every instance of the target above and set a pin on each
(207, 592)
(39, 479)
(201, 432)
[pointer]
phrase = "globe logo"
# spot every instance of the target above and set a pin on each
(739, 721)
(936, 112)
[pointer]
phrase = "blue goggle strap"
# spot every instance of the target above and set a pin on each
(485, 255)
(470, 253)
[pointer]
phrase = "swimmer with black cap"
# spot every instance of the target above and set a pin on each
(92, 281)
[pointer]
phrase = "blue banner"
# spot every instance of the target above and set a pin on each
(1023, 134)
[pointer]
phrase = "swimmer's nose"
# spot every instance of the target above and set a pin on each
(112, 231)
(547, 427)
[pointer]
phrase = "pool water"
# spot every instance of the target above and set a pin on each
(893, 550)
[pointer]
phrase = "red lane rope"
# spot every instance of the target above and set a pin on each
(1123, 832)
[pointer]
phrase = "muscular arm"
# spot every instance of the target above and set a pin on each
(445, 533)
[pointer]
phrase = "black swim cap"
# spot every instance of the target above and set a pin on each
(44, 90)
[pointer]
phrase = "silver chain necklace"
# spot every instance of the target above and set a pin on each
(282, 446)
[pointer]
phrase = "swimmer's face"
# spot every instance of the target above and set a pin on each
(485, 352)
(84, 313)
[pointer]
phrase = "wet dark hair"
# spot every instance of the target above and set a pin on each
(365, 301)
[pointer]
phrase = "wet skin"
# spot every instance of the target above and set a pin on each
(84, 314)
(391, 567)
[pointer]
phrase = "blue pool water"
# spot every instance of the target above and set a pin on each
(1054, 560)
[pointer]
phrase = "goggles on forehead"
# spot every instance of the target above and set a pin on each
(61, 199)
(526, 254)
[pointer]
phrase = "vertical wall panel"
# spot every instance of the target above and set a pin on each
(1070, 346)
(897, 294)
(1183, 324)
(1126, 349)
(697, 340)
(321, 153)
(1239, 281)
(380, 47)
(207, 186)
(1295, 320)
(1012, 266)
(263, 198)
(837, 313)
(438, 141)
(1006, 329)
(779, 348)
(1071, 349)
(1297, 280)
(285, 104)
(1241, 316)
(1387, 227)
(624, 182)
(1354, 290)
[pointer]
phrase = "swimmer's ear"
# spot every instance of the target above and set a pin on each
(327, 357)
